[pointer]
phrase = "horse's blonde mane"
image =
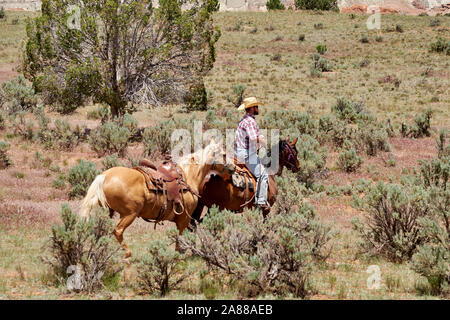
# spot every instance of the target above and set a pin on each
(204, 155)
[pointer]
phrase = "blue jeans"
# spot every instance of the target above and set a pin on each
(259, 171)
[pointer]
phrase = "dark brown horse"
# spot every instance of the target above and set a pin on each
(217, 187)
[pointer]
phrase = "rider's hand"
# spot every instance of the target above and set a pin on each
(262, 141)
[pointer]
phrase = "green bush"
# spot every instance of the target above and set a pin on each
(301, 37)
(435, 22)
(111, 161)
(441, 45)
(5, 161)
(237, 95)
(421, 127)
(196, 99)
(312, 158)
(2, 13)
(321, 48)
(276, 256)
(110, 137)
(157, 138)
(432, 259)
(364, 38)
(161, 269)
(316, 4)
(347, 110)
(319, 65)
(392, 227)
(318, 25)
(349, 161)
(59, 182)
(85, 249)
(443, 149)
(21, 126)
(80, 177)
(16, 95)
(274, 5)
(372, 138)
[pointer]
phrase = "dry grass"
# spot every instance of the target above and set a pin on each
(29, 205)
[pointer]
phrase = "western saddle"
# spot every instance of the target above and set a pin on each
(168, 179)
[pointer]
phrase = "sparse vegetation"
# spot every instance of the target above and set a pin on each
(80, 177)
(393, 89)
(274, 5)
(82, 252)
(161, 269)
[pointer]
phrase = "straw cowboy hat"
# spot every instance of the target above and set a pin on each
(250, 102)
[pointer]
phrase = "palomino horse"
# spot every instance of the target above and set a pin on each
(218, 189)
(124, 190)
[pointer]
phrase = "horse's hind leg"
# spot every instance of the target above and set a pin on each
(124, 222)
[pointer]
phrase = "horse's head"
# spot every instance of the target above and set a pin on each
(288, 155)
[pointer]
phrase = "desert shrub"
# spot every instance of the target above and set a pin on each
(276, 57)
(63, 135)
(196, 99)
(364, 63)
(399, 28)
(161, 269)
(312, 159)
(21, 126)
(292, 123)
(301, 37)
(443, 148)
(84, 248)
(5, 161)
(274, 5)
(349, 161)
(59, 182)
(2, 120)
(316, 4)
(319, 65)
(2, 13)
(321, 48)
(441, 45)
(392, 226)
(421, 126)
(110, 137)
(274, 256)
(432, 259)
(372, 138)
(364, 38)
(80, 177)
(435, 172)
(378, 38)
(347, 110)
(16, 95)
(435, 22)
(318, 25)
(111, 161)
(157, 138)
(237, 95)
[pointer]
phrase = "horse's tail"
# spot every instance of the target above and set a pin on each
(94, 197)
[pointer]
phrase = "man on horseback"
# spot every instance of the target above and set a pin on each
(247, 141)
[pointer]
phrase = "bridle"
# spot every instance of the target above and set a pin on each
(290, 165)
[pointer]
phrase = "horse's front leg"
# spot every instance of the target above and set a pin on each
(195, 218)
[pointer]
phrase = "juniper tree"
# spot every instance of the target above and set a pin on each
(119, 52)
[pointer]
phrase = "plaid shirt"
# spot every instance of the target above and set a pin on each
(247, 129)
